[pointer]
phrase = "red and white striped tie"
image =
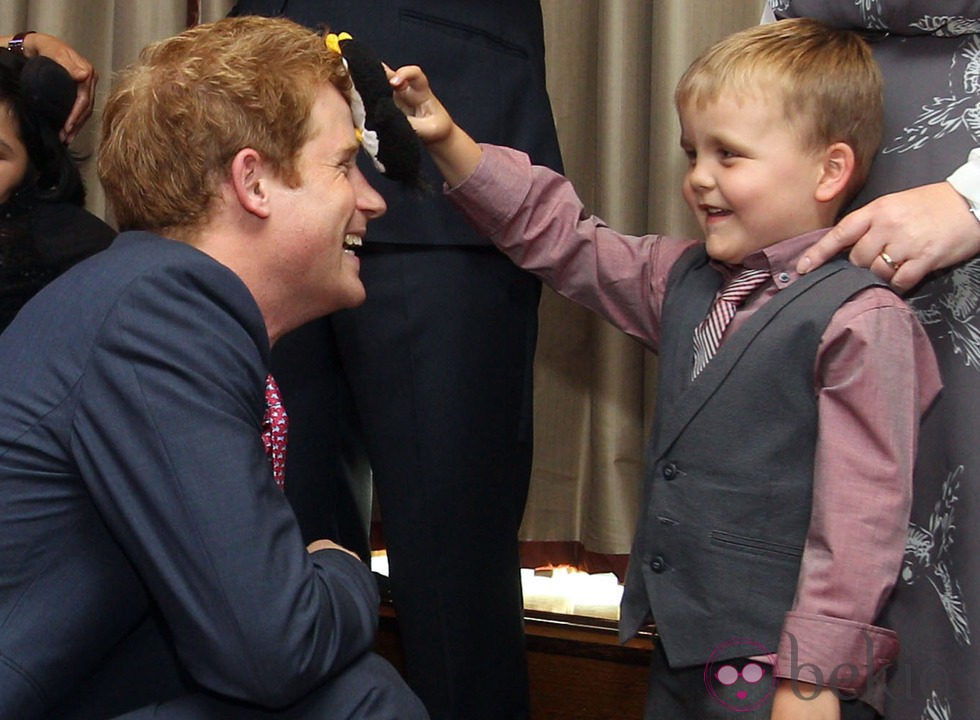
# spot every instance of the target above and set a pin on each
(707, 335)
(275, 426)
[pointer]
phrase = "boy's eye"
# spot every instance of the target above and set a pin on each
(727, 154)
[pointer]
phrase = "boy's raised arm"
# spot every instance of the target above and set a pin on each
(454, 152)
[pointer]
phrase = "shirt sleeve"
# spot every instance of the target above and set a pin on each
(876, 376)
(167, 438)
(966, 179)
(535, 217)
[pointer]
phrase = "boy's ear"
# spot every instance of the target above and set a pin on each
(836, 171)
(250, 182)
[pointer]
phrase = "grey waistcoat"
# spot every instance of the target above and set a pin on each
(729, 467)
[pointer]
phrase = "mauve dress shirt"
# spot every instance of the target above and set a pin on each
(875, 374)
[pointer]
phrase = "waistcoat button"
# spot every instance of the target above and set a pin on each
(670, 471)
(658, 564)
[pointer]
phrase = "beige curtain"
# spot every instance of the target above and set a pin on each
(110, 33)
(612, 65)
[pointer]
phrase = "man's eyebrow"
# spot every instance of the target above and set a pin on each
(348, 151)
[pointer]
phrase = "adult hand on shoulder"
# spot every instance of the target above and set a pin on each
(80, 70)
(903, 236)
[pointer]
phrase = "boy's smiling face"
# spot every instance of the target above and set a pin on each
(751, 181)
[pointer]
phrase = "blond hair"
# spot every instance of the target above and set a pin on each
(177, 117)
(827, 80)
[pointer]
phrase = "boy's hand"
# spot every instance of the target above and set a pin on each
(413, 95)
(455, 153)
(803, 701)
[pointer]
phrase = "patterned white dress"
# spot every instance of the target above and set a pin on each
(929, 53)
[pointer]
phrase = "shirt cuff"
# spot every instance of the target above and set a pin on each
(493, 194)
(966, 178)
(842, 654)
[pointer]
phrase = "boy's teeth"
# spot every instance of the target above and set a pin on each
(353, 240)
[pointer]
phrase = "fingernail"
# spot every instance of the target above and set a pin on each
(804, 265)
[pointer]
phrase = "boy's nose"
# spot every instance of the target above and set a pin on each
(699, 177)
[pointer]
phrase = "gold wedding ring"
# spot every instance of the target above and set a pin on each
(888, 260)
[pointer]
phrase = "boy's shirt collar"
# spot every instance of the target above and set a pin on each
(779, 259)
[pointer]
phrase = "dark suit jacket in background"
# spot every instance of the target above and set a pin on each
(433, 374)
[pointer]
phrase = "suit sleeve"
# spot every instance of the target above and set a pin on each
(167, 436)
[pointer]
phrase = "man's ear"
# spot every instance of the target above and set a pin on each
(250, 182)
(836, 171)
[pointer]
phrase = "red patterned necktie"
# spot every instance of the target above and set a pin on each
(707, 335)
(275, 426)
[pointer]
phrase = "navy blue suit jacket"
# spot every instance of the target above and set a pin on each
(133, 479)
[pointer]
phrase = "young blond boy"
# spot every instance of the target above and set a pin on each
(779, 470)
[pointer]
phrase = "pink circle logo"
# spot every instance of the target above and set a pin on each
(738, 684)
